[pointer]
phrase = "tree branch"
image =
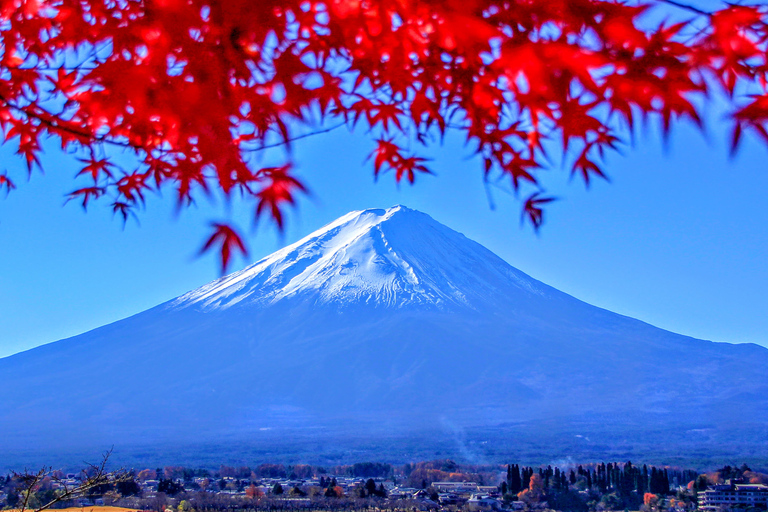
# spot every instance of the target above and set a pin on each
(99, 476)
(56, 126)
(686, 7)
(291, 139)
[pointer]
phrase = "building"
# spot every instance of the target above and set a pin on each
(734, 495)
(482, 503)
(455, 487)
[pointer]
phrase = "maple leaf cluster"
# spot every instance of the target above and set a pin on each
(193, 88)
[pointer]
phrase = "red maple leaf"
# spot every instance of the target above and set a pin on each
(228, 241)
(188, 89)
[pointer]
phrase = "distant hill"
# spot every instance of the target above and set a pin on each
(383, 335)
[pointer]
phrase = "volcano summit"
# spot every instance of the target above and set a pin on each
(383, 329)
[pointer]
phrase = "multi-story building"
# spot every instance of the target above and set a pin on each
(455, 487)
(734, 495)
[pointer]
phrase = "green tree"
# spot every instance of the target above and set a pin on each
(370, 487)
(13, 499)
(169, 487)
(128, 487)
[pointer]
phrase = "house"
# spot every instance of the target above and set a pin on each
(483, 502)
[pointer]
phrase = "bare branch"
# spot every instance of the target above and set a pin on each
(298, 137)
(686, 7)
(95, 476)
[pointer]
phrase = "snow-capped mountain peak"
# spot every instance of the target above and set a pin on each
(389, 257)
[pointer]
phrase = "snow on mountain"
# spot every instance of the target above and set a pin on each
(393, 257)
(383, 324)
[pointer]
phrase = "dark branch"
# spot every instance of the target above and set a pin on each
(291, 139)
(56, 126)
(686, 7)
(98, 476)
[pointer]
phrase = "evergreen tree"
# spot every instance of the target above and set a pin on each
(127, 487)
(527, 474)
(601, 481)
(169, 487)
(277, 489)
(515, 483)
(13, 499)
(626, 479)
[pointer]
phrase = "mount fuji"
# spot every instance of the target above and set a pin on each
(383, 335)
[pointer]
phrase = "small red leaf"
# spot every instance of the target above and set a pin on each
(6, 183)
(281, 189)
(533, 211)
(228, 240)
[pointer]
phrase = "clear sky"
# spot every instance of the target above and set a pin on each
(677, 239)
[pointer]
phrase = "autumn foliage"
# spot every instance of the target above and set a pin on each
(253, 492)
(191, 90)
(650, 499)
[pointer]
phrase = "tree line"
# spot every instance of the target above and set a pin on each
(624, 478)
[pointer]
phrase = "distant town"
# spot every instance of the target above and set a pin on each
(434, 485)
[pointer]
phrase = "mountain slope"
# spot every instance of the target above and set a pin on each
(382, 323)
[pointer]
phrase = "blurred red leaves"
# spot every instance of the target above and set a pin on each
(227, 240)
(533, 208)
(191, 89)
(6, 183)
(281, 188)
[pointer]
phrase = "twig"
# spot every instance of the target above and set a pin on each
(686, 7)
(289, 140)
(53, 124)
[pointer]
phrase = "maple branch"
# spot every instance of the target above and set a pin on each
(686, 7)
(63, 128)
(291, 139)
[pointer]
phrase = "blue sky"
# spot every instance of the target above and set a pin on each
(677, 239)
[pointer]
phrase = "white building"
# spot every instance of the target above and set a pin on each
(455, 487)
(483, 503)
(730, 495)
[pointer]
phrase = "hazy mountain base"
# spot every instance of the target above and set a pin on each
(552, 442)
